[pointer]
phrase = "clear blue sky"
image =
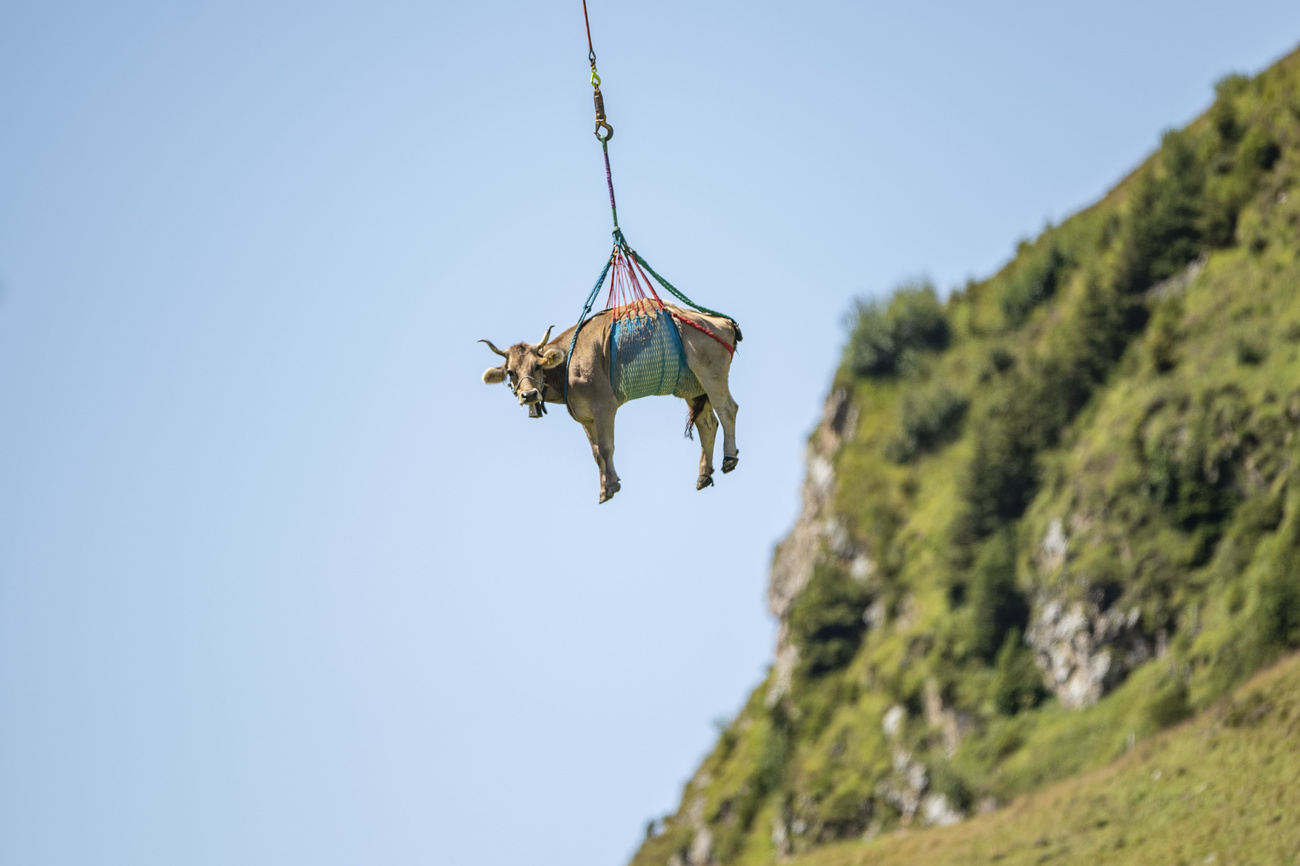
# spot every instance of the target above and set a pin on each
(280, 580)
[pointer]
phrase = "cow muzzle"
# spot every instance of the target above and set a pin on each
(534, 398)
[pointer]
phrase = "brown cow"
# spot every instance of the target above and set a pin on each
(536, 375)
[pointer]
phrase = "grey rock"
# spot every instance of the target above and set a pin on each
(700, 852)
(1083, 651)
(936, 811)
(892, 723)
(818, 535)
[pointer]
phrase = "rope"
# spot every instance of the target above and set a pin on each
(609, 180)
(591, 299)
(623, 254)
(591, 52)
(731, 350)
(670, 287)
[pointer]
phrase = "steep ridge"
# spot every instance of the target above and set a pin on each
(1043, 520)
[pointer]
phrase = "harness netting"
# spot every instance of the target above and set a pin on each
(646, 356)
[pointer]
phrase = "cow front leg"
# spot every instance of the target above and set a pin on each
(707, 423)
(600, 433)
(605, 444)
(589, 427)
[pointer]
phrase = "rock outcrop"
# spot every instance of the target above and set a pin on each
(908, 788)
(817, 532)
(1083, 648)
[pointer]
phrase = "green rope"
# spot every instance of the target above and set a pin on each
(670, 287)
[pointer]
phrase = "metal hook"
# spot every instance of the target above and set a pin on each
(609, 131)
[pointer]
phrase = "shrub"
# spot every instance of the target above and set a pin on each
(1249, 352)
(1230, 188)
(1275, 623)
(947, 781)
(1166, 335)
(826, 621)
(768, 773)
(1223, 114)
(1257, 152)
(1034, 279)
(884, 336)
(996, 607)
(917, 318)
(1036, 406)
(1162, 232)
(1168, 706)
(1189, 468)
(872, 351)
(1000, 360)
(926, 419)
(998, 482)
(1017, 684)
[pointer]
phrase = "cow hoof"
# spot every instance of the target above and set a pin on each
(729, 463)
(703, 481)
(608, 494)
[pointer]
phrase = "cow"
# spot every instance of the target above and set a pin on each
(544, 373)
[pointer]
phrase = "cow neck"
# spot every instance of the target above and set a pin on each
(555, 377)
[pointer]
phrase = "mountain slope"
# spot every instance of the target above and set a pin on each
(1043, 520)
(1219, 789)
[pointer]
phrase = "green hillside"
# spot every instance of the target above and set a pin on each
(1042, 521)
(1221, 789)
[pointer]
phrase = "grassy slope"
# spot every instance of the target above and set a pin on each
(1161, 431)
(1225, 784)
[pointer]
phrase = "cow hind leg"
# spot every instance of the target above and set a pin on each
(707, 423)
(726, 408)
(711, 364)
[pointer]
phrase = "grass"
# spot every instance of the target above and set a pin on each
(1221, 788)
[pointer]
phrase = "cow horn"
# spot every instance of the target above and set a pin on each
(494, 348)
(546, 339)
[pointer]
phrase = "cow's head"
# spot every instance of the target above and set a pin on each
(525, 369)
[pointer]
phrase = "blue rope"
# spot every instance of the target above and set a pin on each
(586, 308)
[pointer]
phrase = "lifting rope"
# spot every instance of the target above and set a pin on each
(627, 299)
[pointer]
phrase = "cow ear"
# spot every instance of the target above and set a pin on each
(553, 357)
(494, 375)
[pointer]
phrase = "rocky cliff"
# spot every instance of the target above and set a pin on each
(1042, 519)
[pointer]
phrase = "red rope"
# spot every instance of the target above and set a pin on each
(731, 350)
(647, 282)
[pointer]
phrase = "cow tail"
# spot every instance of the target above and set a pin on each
(695, 407)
